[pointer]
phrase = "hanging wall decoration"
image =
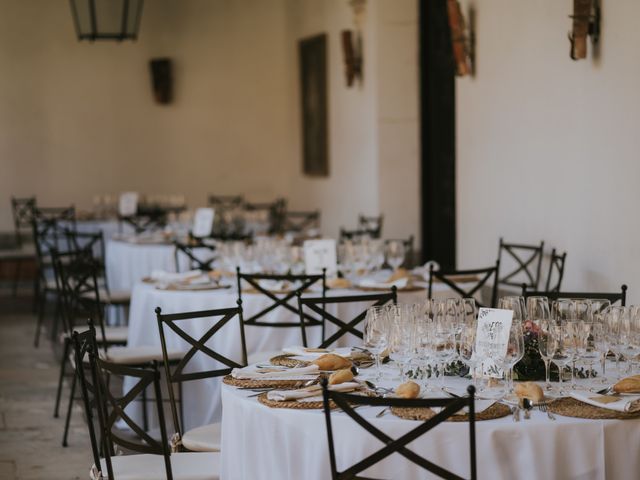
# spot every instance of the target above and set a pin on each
(586, 23)
(462, 38)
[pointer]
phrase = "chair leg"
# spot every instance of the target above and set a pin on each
(42, 300)
(63, 365)
(181, 405)
(56, 319)
(145, 417)
(16, 277)
(69, 409)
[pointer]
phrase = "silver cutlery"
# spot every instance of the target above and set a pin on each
(544, 408)
(515, 412)
(527, 406)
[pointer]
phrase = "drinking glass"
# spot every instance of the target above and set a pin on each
(614, 321)
(514, 303)
(562, 310)
(467, 349)
(544, 347)
(563, 346)
(395, 253)
(376, 334)
(401, 336)
(515, 351)
(587, 350)
(470, 310)
(444, 342)
(538, 309)
(423, 332)
(631, 336)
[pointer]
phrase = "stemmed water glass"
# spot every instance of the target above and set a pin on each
(631, 336)
(563, 346)
(515, 351)
(514, 303)
(545, 347)
(614, 321)
(538, 309)
(376, 334)
(443, 341)
(401, 328)
(395, 253)
(586, 341)
(467, 349)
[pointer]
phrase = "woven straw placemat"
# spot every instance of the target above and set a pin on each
(497, 410)
(292, 403)
(570, 407)
(242, 383)
(288, 361)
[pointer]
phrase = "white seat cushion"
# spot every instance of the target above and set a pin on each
(185, 466)
(203, 439)
(143, 354)
(114, 297)
(259, 357)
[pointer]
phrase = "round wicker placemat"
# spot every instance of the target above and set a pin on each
(570, 407)
(242, 383)
(497, 410)
(262, 398)
(288, 361)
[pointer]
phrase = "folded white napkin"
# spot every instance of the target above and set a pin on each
(371, 283)
(252, 373)
(309, 394)
(162, 276)
(627, 403)
(309, 353)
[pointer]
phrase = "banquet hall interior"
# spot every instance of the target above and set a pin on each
(320, 239)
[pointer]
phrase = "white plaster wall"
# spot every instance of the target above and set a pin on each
(78, 119)
(547, 148)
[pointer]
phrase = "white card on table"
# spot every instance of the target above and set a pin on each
(320, 254)
(492, 338)
(203, 222)
(128, 204)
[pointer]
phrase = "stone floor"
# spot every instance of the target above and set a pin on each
(30, 438)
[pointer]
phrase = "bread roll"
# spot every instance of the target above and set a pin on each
(398, 274)
(341, 376)
(338, 283)
(408, 390)
(331, 361)
(628, 385)
(529, 390)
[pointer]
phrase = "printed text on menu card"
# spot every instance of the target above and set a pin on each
(492, 338)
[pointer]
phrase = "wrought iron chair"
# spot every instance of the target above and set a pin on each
(23, 210)
(154, 459)
(478, 278)
(359, 234)
(348, 404)
(527, 260)
(556, 269)
(50, 232)
(205, 438)
(301, 222)
(198, 255)
(274, 211)
(225, 202)
(318, 306)
(613, 297)
(299, 283)
(143, 223)
(371, 224)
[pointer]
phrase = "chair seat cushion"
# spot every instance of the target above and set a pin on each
(203, 439)
(185, 466)
(116, 297)
(142, 354)
(259, 357)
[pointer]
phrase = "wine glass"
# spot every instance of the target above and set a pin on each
(515, 351)
(544, 347)
(470, 310)
(601, 343)
(614, 320)
(376, 334)
(423, 332)
(562, 310)
(467, 349)
(395, 253)
(562, 344)
(514, 303)
(631, 336)
(587, 350)
(401, 336)
(444, 342)
(538, 309)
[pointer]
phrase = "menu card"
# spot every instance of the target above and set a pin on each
(128, 204)
(203, 222)
(320, 254)
(492, 339)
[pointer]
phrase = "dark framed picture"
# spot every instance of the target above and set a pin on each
(313, 91)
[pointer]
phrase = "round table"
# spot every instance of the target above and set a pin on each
(202, 398)
(127, 263)
(260, 442)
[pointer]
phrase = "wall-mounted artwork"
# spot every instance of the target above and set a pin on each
(313, 90)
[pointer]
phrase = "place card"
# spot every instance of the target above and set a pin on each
(319, 255)
(128, 204)
(203, 222)
(492, 338)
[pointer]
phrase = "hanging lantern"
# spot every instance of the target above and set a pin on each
(106, 19)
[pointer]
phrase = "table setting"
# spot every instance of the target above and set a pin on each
(524, 419)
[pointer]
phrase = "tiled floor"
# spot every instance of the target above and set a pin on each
(30, 438)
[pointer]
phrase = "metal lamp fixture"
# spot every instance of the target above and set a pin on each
(106, 19)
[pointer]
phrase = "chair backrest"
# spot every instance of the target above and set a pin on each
(49, 233)
(296, 284)
(275, 212)
(524, 262)
(301, 222)
(143, 223)
(348, 403)
(359, 234)
(318, 306)
(23, 210)
(225, 202)
(198, 255)
(556, 270)
(467, 283)
(371, 223)
(112, 410)
(409, 255)
(176, 323)
(613, 297)
(91, 243)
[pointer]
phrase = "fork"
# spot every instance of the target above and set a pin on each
(544, 408)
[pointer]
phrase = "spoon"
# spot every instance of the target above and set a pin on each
(527, 405)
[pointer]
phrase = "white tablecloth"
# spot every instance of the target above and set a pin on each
(259, 442)
(202, 398)
(127, 263)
